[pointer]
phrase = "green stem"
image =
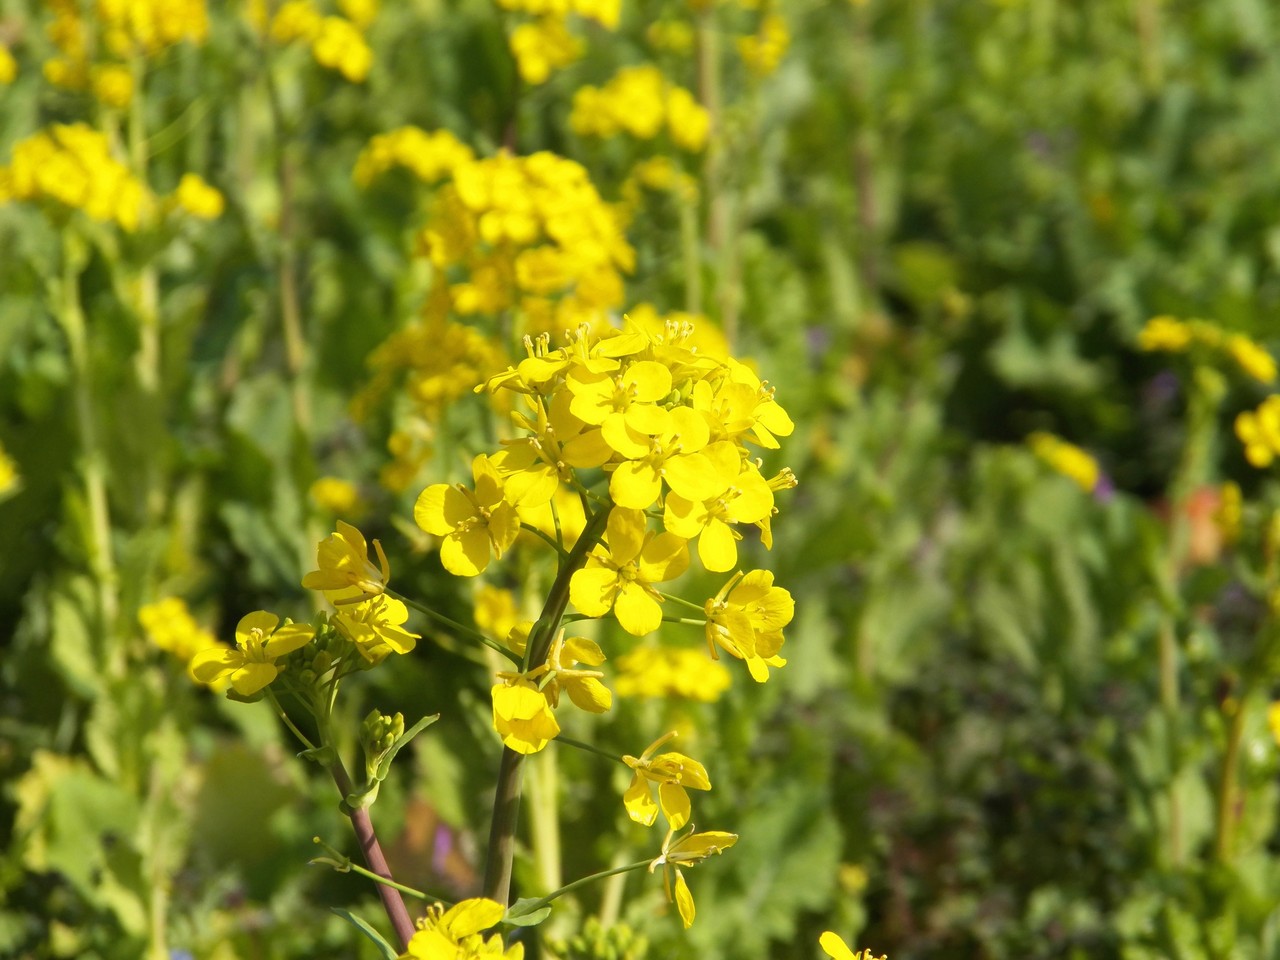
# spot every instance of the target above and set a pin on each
(1228, 788)
(684, 603)
(687, 621)
(549, 540)
(94, 465)
(569, 741)
(569, 888)
(506, 801)
(344, 864)
(461, 628)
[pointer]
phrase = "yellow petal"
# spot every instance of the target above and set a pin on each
(684, 900)
(639, 802)
(592, 590)
(637, 612)
(675, 804)
(717, 547)
(835, 947)
(259, 620)
(465, 554)
(252, 677)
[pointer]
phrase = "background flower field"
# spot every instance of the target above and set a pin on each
(1013, 270)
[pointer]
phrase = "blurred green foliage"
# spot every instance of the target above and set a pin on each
(1009, 707)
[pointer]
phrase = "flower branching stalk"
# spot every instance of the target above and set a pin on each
(506, 800)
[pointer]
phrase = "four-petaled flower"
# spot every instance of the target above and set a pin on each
(522, 715)
(620, 576)
(375, 626)
(687, 851)
(457, 933)
(672, 772)
(476, 525)
(746, 618)
(251, 664)
(343, 559)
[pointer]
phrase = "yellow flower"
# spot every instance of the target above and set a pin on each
(10, 480)
(373, 625)
(1229, 512)
(675, 455)
(339, 45)
(336, 496)
(476, 525)
(360, 12)
(833, 946)
(764, 51)
(198, 198)
(583, 686)
(620, 576)
(522, 715)
(343, 559)
(295, 20)
(112, 84)
(640, 101)
(670, 672)
(1066, 458)
(1253, 358)
(1259, 431)
(72, 164)
(672, 772)
(8, 66)
(746, 618)
(170, 626)
(457, 933)
(542, 47)
(250, 665)
(687, 851)
(1273, 720)
(748, 499)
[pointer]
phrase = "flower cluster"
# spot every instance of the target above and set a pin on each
(122, 29)
(1066, 458)
(764, 50)
(458, 933)
(640, 101)
(670, 672)
(8, 66)
(1171, 335)
(72, 165)
(1259, 431)
(545, 44)
(337, 42)
(528, 234)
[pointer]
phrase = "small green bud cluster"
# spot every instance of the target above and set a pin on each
(597, 942)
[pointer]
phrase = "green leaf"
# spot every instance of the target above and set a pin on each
(522, 914)
(385, 948)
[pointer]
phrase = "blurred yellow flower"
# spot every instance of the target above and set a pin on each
(111, 84)
(1253, 358)
(169, 625)
(763, 51)
(198, 198)
(543, 46)
(640, 101)
(1066, 458)
(1259, 431)
(337, 496)
(10, 479)
(72, 164)
(339, 45)
(670, 672)
(8, 66)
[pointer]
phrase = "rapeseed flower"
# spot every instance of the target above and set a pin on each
(457, 933)
(745, 619)
(687, 851)
(641, 102)
(1259, 431)
(343, 561)
(522, 715)
(477, 525)
(374, 624)
(835, 947)
(670, 672)
(620, 575)
(671, 773)
(251, 664)
(1067, 459)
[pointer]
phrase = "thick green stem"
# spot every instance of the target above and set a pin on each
(1228, 785)
(506, 800)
